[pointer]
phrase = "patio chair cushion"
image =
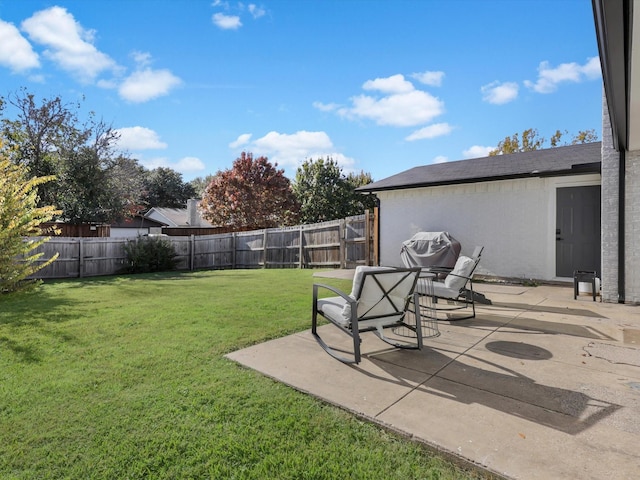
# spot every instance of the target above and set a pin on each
(442, 291)
(334, 308)
(457, 279)
(359, 274)
(355, 287)
(339, 310)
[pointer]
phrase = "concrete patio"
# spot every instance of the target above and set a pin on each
(538, 386)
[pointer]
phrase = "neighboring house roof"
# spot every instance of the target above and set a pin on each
(137, 222)
(568, 160)
(175, 217)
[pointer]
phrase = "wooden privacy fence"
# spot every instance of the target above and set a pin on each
(342, 243)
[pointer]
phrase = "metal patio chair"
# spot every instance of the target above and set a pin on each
(455, 292)
(381, 298)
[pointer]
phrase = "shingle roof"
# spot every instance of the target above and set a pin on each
(568, 160)
(137, 221)
(175, 217)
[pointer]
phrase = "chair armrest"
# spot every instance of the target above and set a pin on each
(317, 286)
(439, 269)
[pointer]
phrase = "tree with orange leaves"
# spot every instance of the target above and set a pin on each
(253, 194)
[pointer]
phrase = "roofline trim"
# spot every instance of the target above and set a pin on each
(579, 169)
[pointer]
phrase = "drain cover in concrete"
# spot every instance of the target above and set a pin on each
(614, 353)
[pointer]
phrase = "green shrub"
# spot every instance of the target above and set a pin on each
(149, 254)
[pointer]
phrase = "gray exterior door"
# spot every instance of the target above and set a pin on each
(577, 230)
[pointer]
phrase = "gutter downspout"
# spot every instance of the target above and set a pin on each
(621, 226)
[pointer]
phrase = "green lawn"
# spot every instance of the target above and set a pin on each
(124, 378)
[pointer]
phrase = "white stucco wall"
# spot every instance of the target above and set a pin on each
(515, 220)
(127, 232)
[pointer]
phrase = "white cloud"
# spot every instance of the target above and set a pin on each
(189, 164)
(290, 150)
(139, 138)
(400, 110)
(142, 59)
(256, 11)
(499, 93)
(240, 141)
(147, 84)
(326, 107)
(477, 151)
(400, 104)
(68, 44)
(592, 69)
(433, 79)
(226, 22)
(432, 131)
(184, 165)
(440, 159)
(549, 78)
(392, 84)
(15, 51)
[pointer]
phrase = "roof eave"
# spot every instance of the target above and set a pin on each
(581, 169)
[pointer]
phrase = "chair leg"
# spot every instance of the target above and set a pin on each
(356, 345)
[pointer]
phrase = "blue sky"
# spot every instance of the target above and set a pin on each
(380, 86)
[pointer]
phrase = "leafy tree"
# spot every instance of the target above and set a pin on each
(127, 184)
(325, 193)
(20, 217)
(532, 141)
(48, 139)
(585, 136)
(32, 138)
(200, 184)
(165, 188)
(361, 202)
(322, 190)
(253, 194)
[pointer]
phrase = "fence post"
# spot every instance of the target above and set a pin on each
(233, 250)
(80, 257)
(367, 238)
(300, 248)
(192, 253)
(264, 249)
(375, 242)
(343, 243)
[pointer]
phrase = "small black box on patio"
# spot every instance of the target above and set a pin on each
(584, 276)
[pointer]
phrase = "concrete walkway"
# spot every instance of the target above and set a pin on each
(538, 386)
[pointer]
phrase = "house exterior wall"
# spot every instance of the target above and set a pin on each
(515, 220)
(610, 230)
(117, 232)
(632, 228)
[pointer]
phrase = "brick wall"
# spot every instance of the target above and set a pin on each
(610, 230)
(632, 228)
(609, 213)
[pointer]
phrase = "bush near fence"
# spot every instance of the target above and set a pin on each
(342, 243)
